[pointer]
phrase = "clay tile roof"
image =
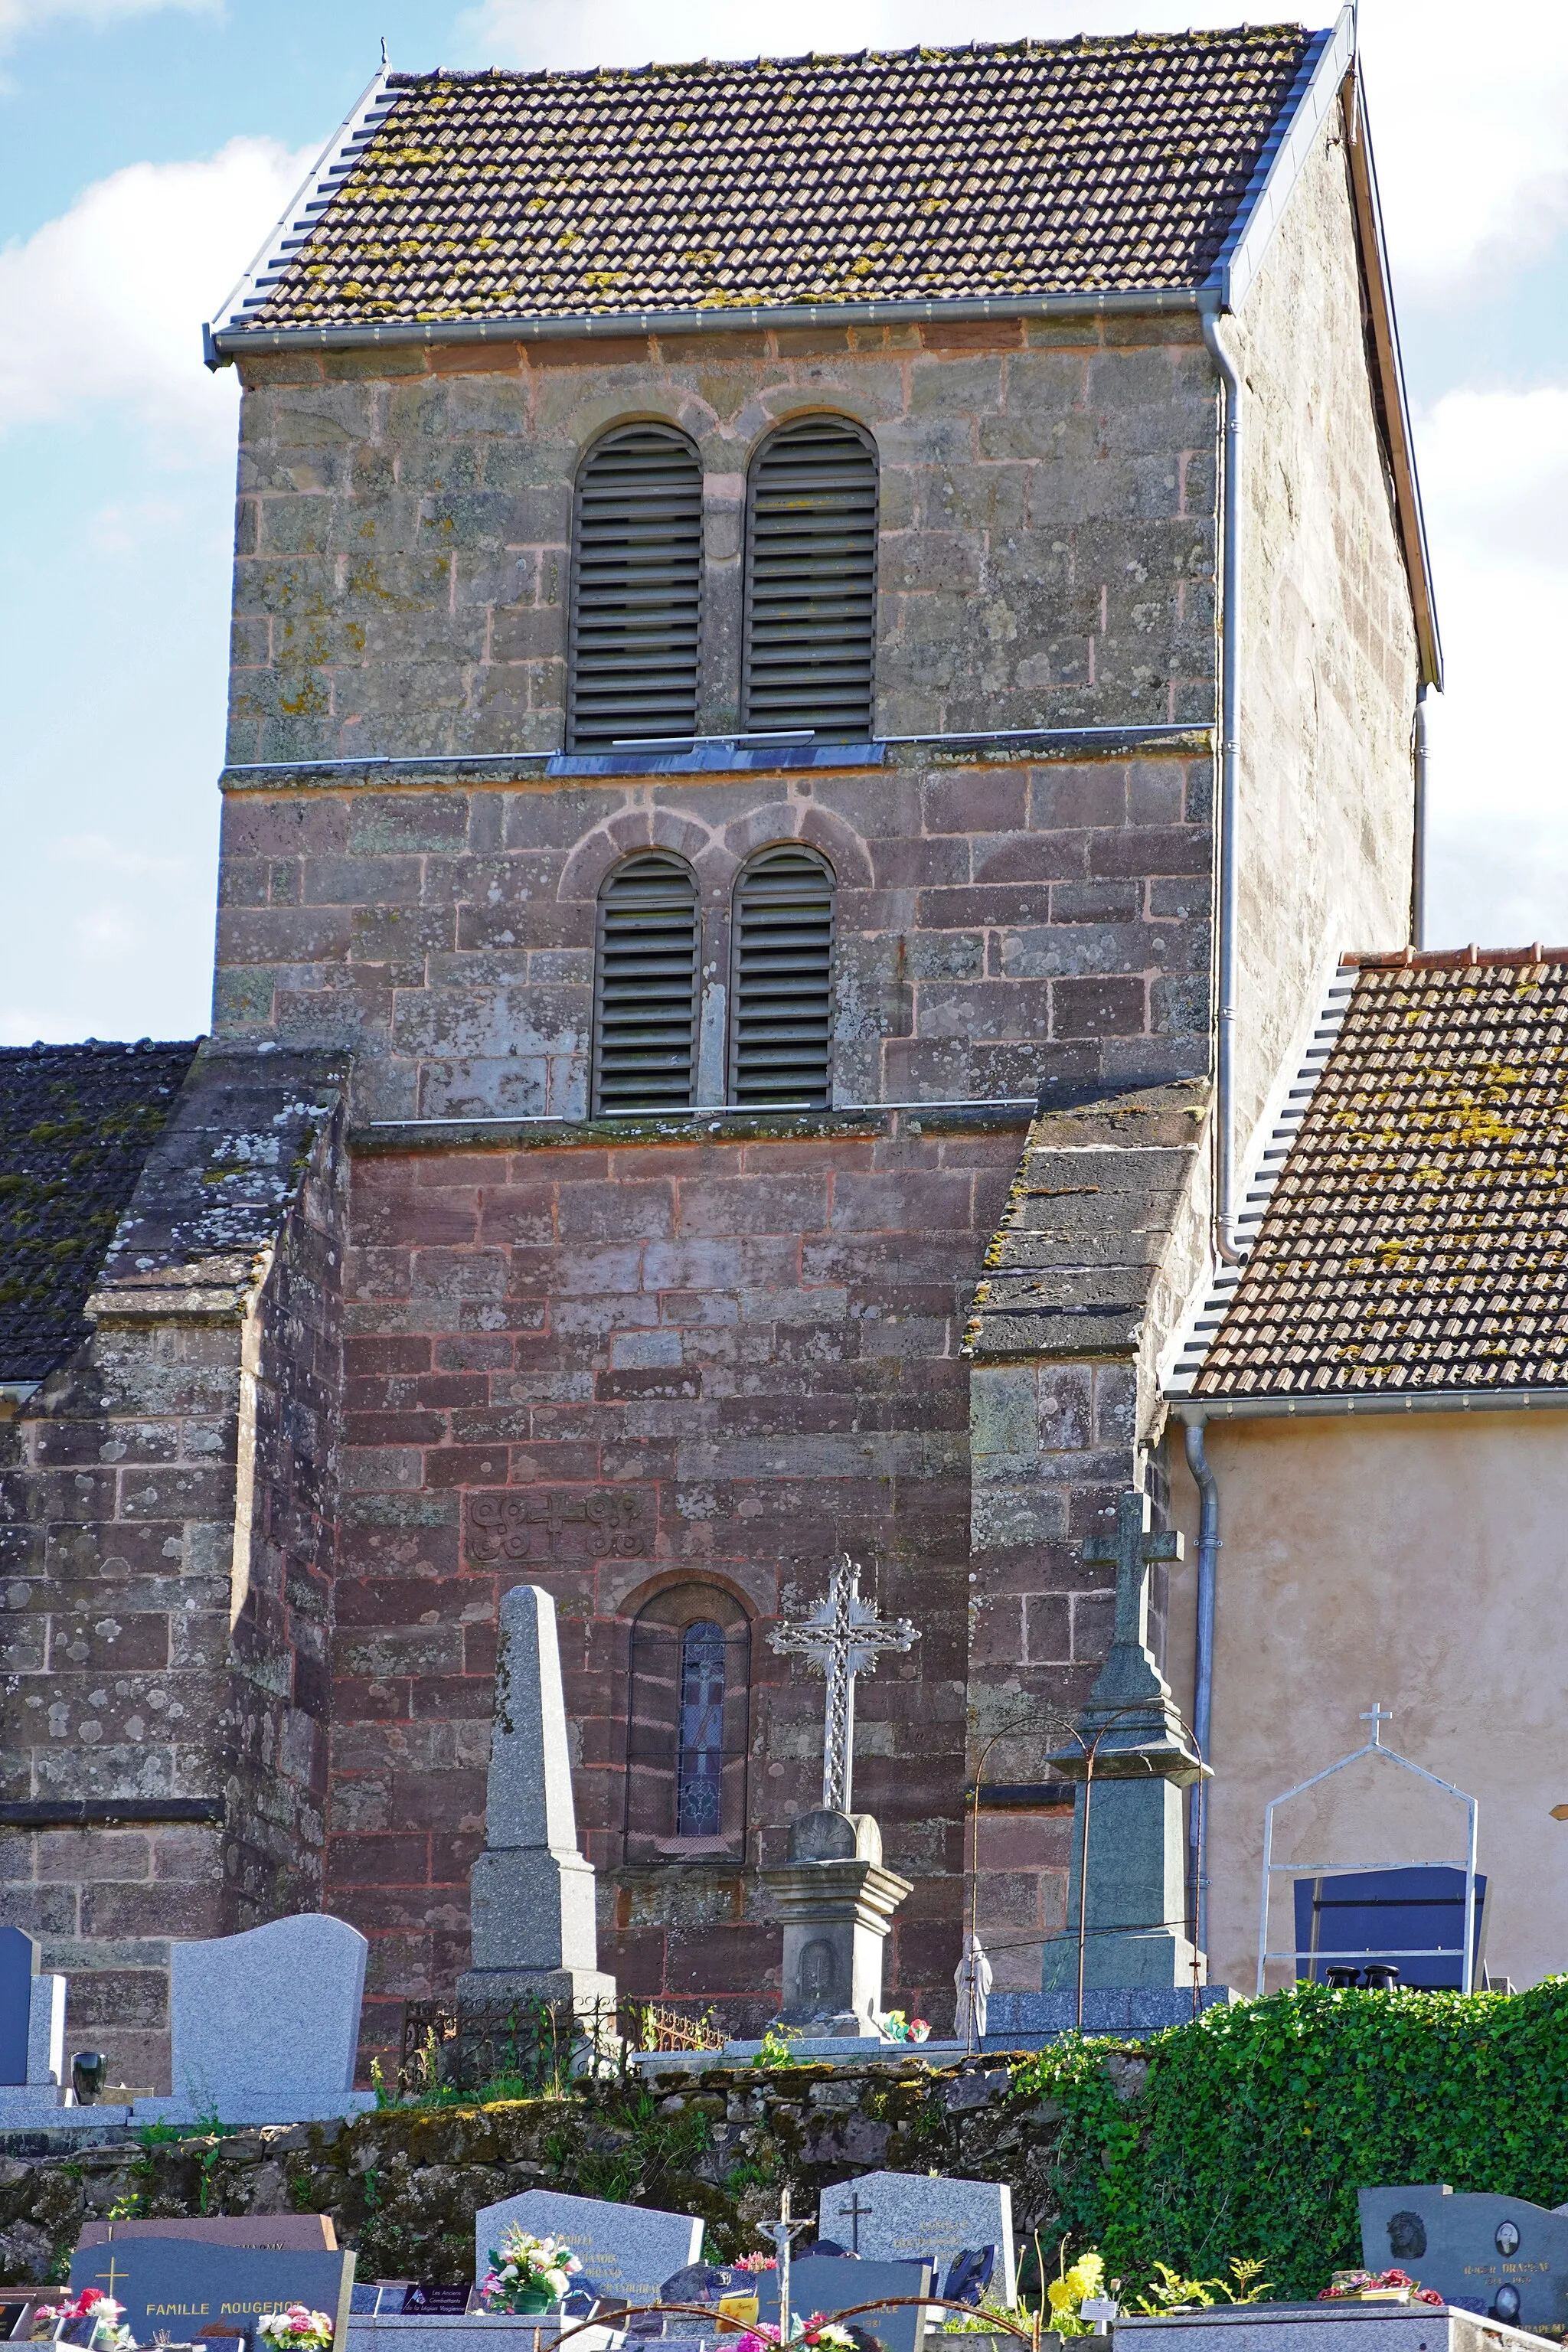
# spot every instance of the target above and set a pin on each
(1417, 1236)
(1045, 166)
(75, 1124)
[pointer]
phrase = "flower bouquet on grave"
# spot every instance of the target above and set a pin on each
(900, 2027)
(89, 2319)
(1377, 2286)
(527, 2273)
(817, 2333)
(295, 2329)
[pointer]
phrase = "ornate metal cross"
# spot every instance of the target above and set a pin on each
(842, 1637)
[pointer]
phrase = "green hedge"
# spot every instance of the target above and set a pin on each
(1257, 2123)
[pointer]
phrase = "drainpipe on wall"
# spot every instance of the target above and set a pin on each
(1202, 1673)
(1229, 792)
(1418, 851)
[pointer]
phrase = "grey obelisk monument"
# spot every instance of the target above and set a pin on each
(534, 1932)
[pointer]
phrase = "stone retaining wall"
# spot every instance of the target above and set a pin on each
(403, 2185)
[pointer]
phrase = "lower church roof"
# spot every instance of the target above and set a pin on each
(1416, 1237)
(76, 1123)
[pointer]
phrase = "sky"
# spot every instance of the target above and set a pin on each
(146, 148)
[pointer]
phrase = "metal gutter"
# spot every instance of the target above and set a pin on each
(302, 213)
(1225, 957)
(1320, 1405)
(1203, 1665)
(229, 340)
(1418, 826)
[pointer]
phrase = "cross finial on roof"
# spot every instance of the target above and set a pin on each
(1377, 1715)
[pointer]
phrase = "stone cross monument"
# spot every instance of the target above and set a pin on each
(534, 1930)
(842, 1637)
(834, 1897)
(1142, 1759)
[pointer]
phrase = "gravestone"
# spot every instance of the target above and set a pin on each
(1143, 1760)
(627, 2251)
(535, 1933)
(829, 2284)
(178, 2289)
(1318, 2328)
(32, 2032)
(294, 2233)
(265, 2025)
(1499, 2256)
(909, 2216)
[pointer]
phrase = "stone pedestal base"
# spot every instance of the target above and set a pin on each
(1137, 1852)
(533, 1912)
(836, 1902)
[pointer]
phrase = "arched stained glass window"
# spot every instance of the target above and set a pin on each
(702, 1749)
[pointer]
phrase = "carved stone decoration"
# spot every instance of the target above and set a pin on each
(558, 1523)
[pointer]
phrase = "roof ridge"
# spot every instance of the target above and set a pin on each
(1450, 959)
(1027, 45)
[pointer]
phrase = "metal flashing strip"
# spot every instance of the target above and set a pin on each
(708, 755)
(231, 338)
(1211, 1313)
(1285, 154)
(337, 159)
(101, 1813)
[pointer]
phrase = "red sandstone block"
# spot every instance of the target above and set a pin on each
(363, 1698)
(1149, 849)
(451, 1698)
(754, 1205)
(453, 1854)
(619, 1211)
(988, 800)
(379, 1429)
(963, 910)
(123, 1914)
(367, 1355)
(447, 1466)
(1102, 1007)
(518, 1212)
(402, 1859)
(487, 1351)
(686, 1160)
(904, 1201)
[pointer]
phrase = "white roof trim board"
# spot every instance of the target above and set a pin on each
(1199, 1331)
(1283, 160)
(309, 201)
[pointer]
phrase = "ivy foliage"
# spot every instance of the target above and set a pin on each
(1252, 2128)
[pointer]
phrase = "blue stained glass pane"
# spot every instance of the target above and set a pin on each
(701, 1730)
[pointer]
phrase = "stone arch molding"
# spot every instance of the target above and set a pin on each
(715, 853)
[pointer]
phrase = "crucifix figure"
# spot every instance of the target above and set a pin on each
(842, 1637)
(783, 2233)
(853, 2213)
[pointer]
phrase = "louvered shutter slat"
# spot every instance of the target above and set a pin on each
(645, 1030)
(811, 577)
(637, 560)
(781, 1019)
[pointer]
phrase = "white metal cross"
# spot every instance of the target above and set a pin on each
(842, 1637)
(1377, 1716)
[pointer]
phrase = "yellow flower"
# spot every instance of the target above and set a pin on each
(1060, 2294)
(1086, 2274)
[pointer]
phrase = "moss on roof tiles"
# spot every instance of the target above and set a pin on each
(1417, 1238)
(1079, 166)
(75, 1124)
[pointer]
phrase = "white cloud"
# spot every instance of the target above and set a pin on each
(20, 17)
(1495, 473)
(1472, 128)
(105, 304)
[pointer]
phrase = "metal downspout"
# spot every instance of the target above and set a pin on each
(1203, 1676)
(1229, 793)
(1418, 847)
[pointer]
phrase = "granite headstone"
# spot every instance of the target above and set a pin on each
(905, 2216)
(265, 2025)
(627, 2251)
(175, 2290)
(32, 2031)
(1500, 2256)
(830, 2283)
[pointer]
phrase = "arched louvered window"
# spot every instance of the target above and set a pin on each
(781, 993)
(811, 580)
(645, 1024)
(636, 566)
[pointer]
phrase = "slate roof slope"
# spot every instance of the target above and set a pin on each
(1059, 166)
(1416, 1238)
(76, 1123)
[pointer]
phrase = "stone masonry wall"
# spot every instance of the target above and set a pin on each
(618, 1364)
(1001, 921)
(118, 1509)
(1047, 499)
(1329, 661)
